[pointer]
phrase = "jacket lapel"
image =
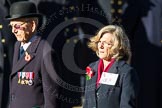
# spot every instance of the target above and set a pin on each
(16, 52)
(94, 78)
(91, 84)
(22, 62)
(113, 69)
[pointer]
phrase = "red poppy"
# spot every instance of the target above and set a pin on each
(27, 57)
(89, 73)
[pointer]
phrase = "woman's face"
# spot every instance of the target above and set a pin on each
(104, 45)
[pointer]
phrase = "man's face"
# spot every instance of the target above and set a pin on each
(22, 29)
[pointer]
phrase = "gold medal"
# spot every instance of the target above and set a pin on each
(22, 82)
(19, 81)
(26, 82)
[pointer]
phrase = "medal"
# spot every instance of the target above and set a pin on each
(27, 75)
(19, 74)
(26, 78)
(30, 83)
(26, 82)
(31, 77)
(22, 82)
(23, 75)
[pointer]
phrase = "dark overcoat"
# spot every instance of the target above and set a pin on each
(121, 95)
(41, 92)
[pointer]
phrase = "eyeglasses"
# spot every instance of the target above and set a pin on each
(17, 26)
(103, 43)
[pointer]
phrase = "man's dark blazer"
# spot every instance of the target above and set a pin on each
(44, 89)
(122, 95)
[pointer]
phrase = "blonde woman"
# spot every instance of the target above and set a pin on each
(111, 82)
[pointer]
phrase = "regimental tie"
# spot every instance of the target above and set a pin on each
(21, 52)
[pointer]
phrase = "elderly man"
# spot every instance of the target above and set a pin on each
(33, 77)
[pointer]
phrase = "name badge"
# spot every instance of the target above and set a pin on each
(108, 78)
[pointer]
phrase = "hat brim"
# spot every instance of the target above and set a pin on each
(24, 16)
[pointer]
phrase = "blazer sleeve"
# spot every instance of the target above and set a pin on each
(130, 89)
(49, 78)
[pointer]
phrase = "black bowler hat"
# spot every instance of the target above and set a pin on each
(23, 9)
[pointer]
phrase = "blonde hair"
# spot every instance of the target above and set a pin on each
(121, 45)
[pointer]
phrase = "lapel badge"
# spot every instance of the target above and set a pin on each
(27, 56)
(89, 73)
